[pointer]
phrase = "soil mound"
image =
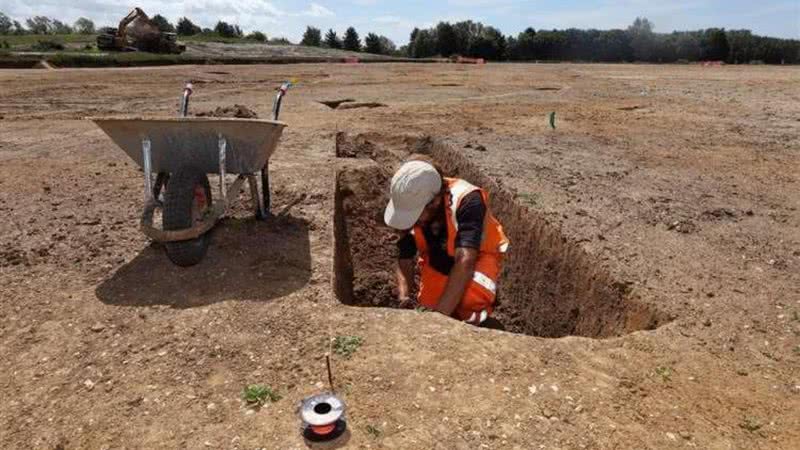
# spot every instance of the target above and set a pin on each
(235, 111)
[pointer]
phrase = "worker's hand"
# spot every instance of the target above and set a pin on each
(477, 318)
(405, 302)
(404, 272)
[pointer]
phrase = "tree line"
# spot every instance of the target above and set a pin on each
(373, 43)
(636, 43)
(42, 25)
(473, 39)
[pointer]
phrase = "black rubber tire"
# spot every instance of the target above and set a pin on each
(178, 202)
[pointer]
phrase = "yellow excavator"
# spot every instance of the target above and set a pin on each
(136, 32)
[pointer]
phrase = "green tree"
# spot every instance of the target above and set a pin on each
(411, 39)
(280, 41)
(372, 44)
(40, 25)
(424, 45)
(332, 40)
(522, 48)
(19, 30)
(466, 33)
(716, 48)
(6, 25)
(351, 40)
(387, 46)
(225, 29)
(446, 39)
(163, 24)
(84, 26)
(741, 46)
(312, 37)
(687, 47)
(187, 28)
(642, 40)
(257, 36)
(60, 27)
(490, 44)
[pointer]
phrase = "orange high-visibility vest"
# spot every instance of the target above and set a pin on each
(493, 241)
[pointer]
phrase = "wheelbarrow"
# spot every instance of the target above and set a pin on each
(181, 152)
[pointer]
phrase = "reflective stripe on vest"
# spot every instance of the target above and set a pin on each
(485, 282)
(458, 190)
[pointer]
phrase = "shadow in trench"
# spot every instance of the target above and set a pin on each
(246, 260)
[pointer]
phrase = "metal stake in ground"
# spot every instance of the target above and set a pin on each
(330, 373)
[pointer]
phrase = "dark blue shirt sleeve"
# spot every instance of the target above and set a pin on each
(470, 216)
(406, 247)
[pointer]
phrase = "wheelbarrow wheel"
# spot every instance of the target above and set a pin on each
(186, 201)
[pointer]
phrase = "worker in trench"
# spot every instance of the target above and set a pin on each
(446, 226)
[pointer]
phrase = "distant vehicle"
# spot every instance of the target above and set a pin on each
(136, 32)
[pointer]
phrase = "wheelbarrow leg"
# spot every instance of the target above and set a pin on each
(261, 214)
(147, 168)
(223, 145)
(265, 188)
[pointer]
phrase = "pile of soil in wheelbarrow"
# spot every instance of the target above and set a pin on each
(237, 111)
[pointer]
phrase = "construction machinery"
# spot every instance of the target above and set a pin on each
(136, 32)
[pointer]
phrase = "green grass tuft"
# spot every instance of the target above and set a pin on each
(259, 395)
(664, 372)
(346, 345)
(375, 432)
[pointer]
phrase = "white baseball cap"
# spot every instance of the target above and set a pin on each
(413, 186)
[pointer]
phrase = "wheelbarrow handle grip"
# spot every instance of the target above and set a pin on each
(276, 108)
(187, 92)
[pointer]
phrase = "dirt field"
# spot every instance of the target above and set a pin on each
(656, 232)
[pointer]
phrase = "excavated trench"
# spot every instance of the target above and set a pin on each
(549, 286)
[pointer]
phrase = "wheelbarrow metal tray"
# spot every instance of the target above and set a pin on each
(194, 141)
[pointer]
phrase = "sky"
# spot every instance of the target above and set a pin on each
(395, 19)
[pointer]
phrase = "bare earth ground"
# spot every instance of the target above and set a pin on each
(212, 49)
(683, 181)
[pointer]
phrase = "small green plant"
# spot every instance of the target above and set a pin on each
(797, 350)
(373, 431)
(5, 44)
(532, 199)
(664, 372)
(259, 395)
(346, 345)
(423, 309)
(750, 424)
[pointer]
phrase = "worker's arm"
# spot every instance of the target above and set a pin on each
(404, 271)
(459, 278)
(470, 216)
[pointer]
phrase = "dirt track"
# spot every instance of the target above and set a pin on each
(679, 183)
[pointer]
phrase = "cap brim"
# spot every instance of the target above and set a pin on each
(399, 218)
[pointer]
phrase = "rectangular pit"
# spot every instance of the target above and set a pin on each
(549, 286)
